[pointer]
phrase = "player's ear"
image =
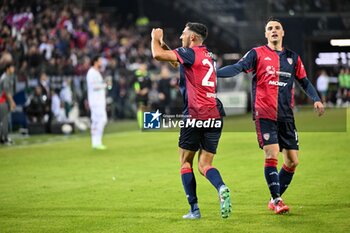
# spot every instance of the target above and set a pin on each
(192, 37)
(282, 33)
(266, 35)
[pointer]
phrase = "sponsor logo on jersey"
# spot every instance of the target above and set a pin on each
(285, 74)
(270, 70)
(277, 83)
(267, 59)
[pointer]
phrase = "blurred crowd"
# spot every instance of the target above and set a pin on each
(51, 44)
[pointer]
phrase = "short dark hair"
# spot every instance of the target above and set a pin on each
(198, 28)
(271, 18)
(95, 59)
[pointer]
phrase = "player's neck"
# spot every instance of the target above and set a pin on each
(276, 47)
(193, 44)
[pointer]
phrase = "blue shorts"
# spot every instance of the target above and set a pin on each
(277, 132)
(193, 138)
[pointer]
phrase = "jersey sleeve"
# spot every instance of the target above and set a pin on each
(309, 89)
(185, 55)
(246, 64)
(304, 82)
(300, 72)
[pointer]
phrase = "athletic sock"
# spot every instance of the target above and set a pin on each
(285, 177)
(213, 175)
(189, 183)
(271, 176)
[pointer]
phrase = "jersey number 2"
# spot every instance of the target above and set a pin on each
(205, 81)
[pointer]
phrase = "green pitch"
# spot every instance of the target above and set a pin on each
(61, 185)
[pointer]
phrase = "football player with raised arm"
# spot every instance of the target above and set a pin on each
(198, 88)
(275, 69)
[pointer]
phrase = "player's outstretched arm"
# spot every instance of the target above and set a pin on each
(158, 52)
(229, 71)
(246, 64)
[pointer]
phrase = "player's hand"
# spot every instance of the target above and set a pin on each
(161, 42)
(157, 34)
(318, 106)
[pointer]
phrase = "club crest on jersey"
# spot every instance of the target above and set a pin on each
(266, 136)
(290, 60)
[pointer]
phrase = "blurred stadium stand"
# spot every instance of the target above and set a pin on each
(59, 37)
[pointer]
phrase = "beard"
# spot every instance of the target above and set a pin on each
(186, 43)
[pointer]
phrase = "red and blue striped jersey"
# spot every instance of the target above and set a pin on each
(198, 82)
(274, 73)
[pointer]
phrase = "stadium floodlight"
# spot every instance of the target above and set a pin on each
(340, 42)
